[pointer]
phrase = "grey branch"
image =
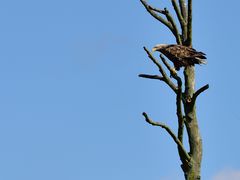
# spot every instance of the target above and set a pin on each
(170, 132)
(198, 92)
(181, 20)
(175, 29)
(189, 24)
(168, 23)
(178, 12)
(183, 8)
(166, 79)
(178, 99)
(179, 110)
(156, 16)
(171, 69)
(157, 10)
(148, 76)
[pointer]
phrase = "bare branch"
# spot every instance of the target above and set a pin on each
(167, 80)
(173, 72)
(179, 111)
(183, 8)
(151, 77)
(189, 24)
(170, 132)
(175, 29)
(169, 22)
(178, 99)
(159, 18)
(198, 92)
(157, 10)
(178, 12)
(182, 21)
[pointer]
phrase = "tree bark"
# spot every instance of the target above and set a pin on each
(194, 138)
(191, 123)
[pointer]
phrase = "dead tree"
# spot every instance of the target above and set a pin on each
(185, 93)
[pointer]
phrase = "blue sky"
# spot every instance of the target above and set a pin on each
(71, 101)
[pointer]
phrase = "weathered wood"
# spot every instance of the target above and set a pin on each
(191, 123)
(191, 161)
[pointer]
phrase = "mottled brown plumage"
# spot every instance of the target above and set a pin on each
(181, 55)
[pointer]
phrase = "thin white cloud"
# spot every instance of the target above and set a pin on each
(227, 174)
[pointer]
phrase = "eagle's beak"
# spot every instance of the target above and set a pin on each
(154, 49)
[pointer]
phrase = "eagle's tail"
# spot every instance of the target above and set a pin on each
(200, 60)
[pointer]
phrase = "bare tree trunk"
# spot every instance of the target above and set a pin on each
(191, 161)
(191, 123)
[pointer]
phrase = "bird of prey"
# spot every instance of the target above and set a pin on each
(181, 56)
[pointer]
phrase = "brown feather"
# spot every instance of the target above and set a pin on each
(181, 55)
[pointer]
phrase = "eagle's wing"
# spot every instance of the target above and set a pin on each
(194, 52)
(180, 51)
(183, 55)
(175, 50)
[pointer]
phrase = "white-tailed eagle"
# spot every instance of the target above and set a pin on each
(181, 55)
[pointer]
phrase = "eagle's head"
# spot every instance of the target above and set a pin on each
(159, 47)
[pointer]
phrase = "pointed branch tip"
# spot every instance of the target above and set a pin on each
(199, 91)
(148, 76)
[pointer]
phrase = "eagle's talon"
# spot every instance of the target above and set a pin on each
(173, 72)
